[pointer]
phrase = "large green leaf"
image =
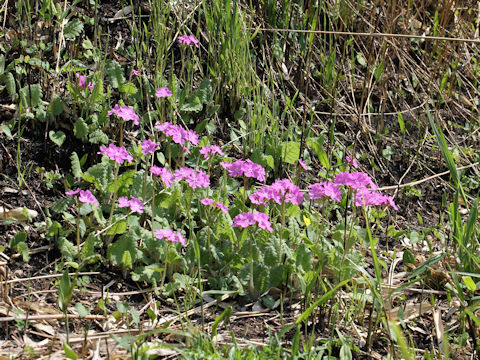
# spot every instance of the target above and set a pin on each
(65, 291)
(31, 95)
(290, 152)
(73, 28)
(116, 250)
(114, 73)
(80, 128)
(58, 137)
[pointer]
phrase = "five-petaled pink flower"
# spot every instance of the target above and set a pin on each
(148, 147)
(85, 196)
(325, 188)
(211, 150)
(125, 112)
(188, 40)
(170, 235)
(281, 191)
(212, 203)
(163, 92)
(179, 134)
(355, 180)
(116, 153)
(135, 204)
(194, 178)
(244, 168)
(165, 174)
(246, 219)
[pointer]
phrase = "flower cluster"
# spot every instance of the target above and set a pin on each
(148, 147)
(325, 188)
(244, 168)
(246, 219)
(85, 196)
(170, 235)
(163, 92)
(280, 191)
(116, 153)
(194, 178)
(211, 150)
(179, 134)
(212, 203)
(165, 174)
(134, 204)
(125, 112)
(188, 40)
(361, 183)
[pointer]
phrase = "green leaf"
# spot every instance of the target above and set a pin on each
(69, 353)
(23, 250)
(114, 73)
(56, 105)
(401, 123)
(98, 137)
(148, 273)
(82, 310)
(6, 130)
(469, 283)
(80, 128)
(100, 174)
(31, 95)
(65, 291)
(127, 259)
(361, 59)
(290, 152)
(128, 89)
(304, 258)
(118, 228)
(88, 249)
(58, 137)
(67, 249)
(124, 180)
(76, 167)
(379, 71)
(193, 104)
(61, 205)
(204, 91)
(10, 84)
(116, 251)
(73, 28)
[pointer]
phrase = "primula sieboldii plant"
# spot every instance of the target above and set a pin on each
(245, 168)
(85, 196)
(135, 204)
(189, 40)
(124, 112)
(281, 191)
(116, 153)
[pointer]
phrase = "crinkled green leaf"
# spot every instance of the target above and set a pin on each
(80, 128)
(116, 250)
(114, 73)
(290, 152)
(73, 28)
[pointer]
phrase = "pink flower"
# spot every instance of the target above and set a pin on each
(188, 40)
(163, 92)
(179, 134)
(82, 80)
(86, 196)
(355, 180)
(247, 219)
(366, 197)
(125, 112)
(90, 86)
(302, 164)
(165, 174)
(280, 191)
(115, 153)
(134, 204)
(72, 192)
(244, 168)
(135, 72)
(148, 147)
(352, 161)
(194, 178)
(210, 150)
(325, 189)
(170, 235)
(207, 201)
(222, 207)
